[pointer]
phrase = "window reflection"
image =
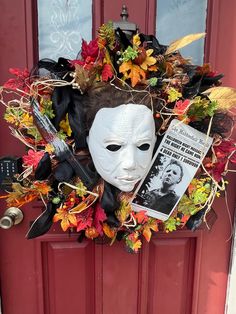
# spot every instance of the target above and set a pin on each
(177, 18)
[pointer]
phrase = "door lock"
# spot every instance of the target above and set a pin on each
(12, 216)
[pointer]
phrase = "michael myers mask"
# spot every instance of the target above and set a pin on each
(121, 142)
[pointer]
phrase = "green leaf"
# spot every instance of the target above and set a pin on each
(201, 108)
(129, 54)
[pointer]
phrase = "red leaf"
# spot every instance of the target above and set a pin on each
(33, 158)
(99, 217)
(224, 149)
(181, 106)
(141, 216)
(89, 50)
(218, 170)
(20, 81)
(107, 72)
(84, 219)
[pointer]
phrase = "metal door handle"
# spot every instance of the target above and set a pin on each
(11, 217)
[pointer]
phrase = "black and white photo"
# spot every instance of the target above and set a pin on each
(173, 167)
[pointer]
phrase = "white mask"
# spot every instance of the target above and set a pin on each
(121, 142)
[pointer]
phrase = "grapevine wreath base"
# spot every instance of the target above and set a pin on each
(51, 110)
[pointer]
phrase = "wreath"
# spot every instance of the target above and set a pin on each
(50, 110)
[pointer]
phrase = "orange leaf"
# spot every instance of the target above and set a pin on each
(136, 75)
(110, 233)
(152, 224)
(141, 216)
(125, 67)
(67, 219)
(132, 71)
(147, 233)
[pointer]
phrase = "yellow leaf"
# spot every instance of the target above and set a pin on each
(65, 126)
(49, 148)
(225, 96)
(124, 211)
(182, 42)
(149, 61)
(137, 245)
(136, 40)
(26, 120)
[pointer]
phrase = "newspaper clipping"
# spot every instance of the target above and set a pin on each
(173, 167)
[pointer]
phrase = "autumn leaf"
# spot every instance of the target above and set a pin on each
(124, 211)
(91, 233)
(181, 106)
(109, 232)
(26, 120)
(183, 41)
(136, 246)
(150, 225)
(19, 82)
(67, 220)
(149, 61)
(132, 71)
(107, 72)
(133, 242)
(41, 187)
(85, 219)
(49, 149)
(81, 189)
(136, 40)
(99, 217)
(33, 158)
(147, 233)
(90, 49)
(225, 96)
(173, 94)
(65, 126)
(141, 216)
(171, 224)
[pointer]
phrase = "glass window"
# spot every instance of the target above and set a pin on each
(177, 18)
(62, 24)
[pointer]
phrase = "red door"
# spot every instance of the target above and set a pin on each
(181, 273)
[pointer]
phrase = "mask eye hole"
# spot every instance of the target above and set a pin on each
(113, 147)
(144, 147)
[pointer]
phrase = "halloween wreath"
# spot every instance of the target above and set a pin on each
(92, 125)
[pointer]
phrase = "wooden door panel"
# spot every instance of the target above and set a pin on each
(92, 278)
(171, 274)
(120, 280)
(66, 279)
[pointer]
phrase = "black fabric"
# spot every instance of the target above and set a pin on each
(196, 220)
(67, 100)
(110, 203)
(44, 168)
(59, 69)
(192, 89)
(43, 223)
(153, 43)
(123, 39)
